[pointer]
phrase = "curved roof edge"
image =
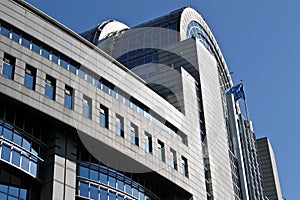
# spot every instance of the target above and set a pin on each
(189, 14)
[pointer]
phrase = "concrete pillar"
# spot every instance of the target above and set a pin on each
(60, 174)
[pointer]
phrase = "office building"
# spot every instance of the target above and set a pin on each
(267, 163)
(119, 112)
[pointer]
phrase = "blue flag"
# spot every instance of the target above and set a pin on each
(237, 91)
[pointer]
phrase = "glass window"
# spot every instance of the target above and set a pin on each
(112, 181)
(5, 153)
(128, 188)
(15, 37)
(63, 63)
(50, 87)
(120, 197)
(148, 143)
(86, 107)
(54, 57)
(81, 73)
(35, 47)
(94, 175)
(89, 78)
(184, 166)
(84, 189)
(25, 163)
(103, 116)
(94, 192)
(7, 133)
(3, 188)
(68, 100)
(142, 195)
(105, 88)
(26, 145)
(16, 157)
(5, 31)
(29, 79)
(17, 139)
(134, 135)
(23, 193)
(84, 172)
(135, 192)
(46, 53)
(33, 168)
(103, 194)
(103, 178)
(161, 151)
(173, 159)
(26, 42)
(112, 195)
(119, 125)
(72, 68)
(8, 66)
(120, 185)
(13, 191)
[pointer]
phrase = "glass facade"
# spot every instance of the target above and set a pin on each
(12, 193)
(96, 181)
(16, 150)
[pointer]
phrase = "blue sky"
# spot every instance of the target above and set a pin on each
(260, 42)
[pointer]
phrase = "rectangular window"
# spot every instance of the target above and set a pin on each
(26, 42)
(50, 84)
(184, 166)
(68, 97)
(119, 125)
(87, 107)
(103, 116)
(29, 79)
(8, 66)
(161, 150)
(134, 138)
(5, 31)
(54, 57)
(148, 143)
(173, 159)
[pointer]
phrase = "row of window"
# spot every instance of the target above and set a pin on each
(50, 85)
(96, 181)
(72, 66)
(16, 150)
(12, 193)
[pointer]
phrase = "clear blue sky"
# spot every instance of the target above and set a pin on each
(260, 42)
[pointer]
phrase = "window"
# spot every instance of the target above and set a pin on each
(161, 150)
(50, 84)
(68, 97)
(148, 143)
(29, 79)
(134, 134)
(119, 125)
(184, 166)
(173, 159)
(87, 107)
(103, 116)
(8, 66)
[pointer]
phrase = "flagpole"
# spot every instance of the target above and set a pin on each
(246, 106)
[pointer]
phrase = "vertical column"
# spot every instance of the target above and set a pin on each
(61, 170)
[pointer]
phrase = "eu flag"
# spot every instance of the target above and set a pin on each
(237, 91)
